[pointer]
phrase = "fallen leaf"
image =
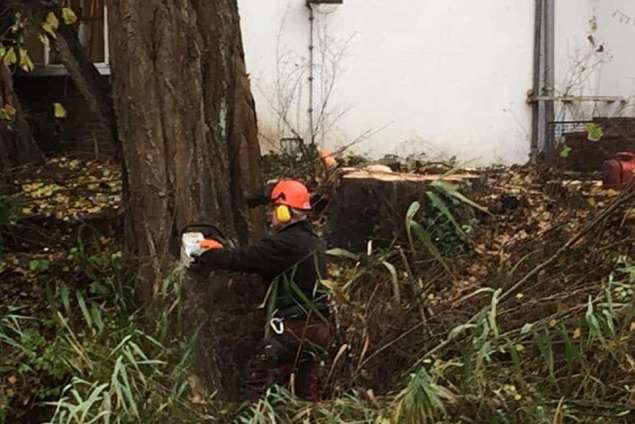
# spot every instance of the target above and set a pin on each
(592, 202)
(58, 111)
(69, 16)
(52, 20)
(10, 57)
(25, 61)
(577, 333)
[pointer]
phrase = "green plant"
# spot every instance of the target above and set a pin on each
(422, 400)
(39, 265)
(565, 152)
(117, 396)
(443, 226)
(92, 355)
(422, 236)
(594, 131)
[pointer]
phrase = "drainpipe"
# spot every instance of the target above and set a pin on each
(542, 140)
(549, 77)
(536, 141)
(311, 70)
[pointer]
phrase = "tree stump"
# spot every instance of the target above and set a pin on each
(372, 205)
(226, 304)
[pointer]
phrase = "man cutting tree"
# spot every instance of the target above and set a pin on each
(292, 261)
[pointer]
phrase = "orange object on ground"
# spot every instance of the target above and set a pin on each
(327, 159)
(619, 171)
(291, 193)
(210, 244)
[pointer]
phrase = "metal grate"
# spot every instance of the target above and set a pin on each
(559, 128)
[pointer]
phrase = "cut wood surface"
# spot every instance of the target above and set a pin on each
(371, 203)
(356, 173)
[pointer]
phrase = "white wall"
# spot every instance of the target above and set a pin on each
(441, 77)
(605, 68)
(616, 28)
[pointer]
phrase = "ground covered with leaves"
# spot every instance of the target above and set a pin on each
(513, 304)
(534, 323)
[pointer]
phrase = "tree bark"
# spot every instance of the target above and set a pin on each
(187, 123)
(91, 85)
(17, 146)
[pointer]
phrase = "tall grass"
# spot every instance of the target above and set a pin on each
(104, 360)
(120, 364)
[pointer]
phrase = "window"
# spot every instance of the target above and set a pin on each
(92, 33)
(93, 28)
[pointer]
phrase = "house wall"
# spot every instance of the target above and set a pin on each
(603, 67)
(447, 78)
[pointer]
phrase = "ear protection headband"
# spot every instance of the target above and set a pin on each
(283, 213)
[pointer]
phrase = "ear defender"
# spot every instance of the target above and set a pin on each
(283, 213)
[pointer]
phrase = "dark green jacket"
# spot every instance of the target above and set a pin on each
(294, 254)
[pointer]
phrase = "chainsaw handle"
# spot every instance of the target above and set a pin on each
(219, 234)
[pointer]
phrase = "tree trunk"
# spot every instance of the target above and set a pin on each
(92, 86)
(187, 123)
(371, 204)
(17, 146)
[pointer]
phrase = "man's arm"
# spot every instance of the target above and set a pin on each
(268, 257)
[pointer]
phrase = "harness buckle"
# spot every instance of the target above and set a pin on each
(277, 325)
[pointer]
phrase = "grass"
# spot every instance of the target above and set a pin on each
(92, 356)
(492, 355)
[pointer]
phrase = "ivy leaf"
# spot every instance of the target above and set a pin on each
(25, 61)
(10, 110)
(58, 111)
(51, 24)
(43, 38)
(10, 57)
(7, 113)
(594, 131)
(52, 20)
(38, 265)
(48, 29)
(565, 152)
(69, 16)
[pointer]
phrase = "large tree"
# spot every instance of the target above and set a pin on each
(187, 126)
(186, 121)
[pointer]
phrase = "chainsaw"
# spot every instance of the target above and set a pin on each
(198, 238)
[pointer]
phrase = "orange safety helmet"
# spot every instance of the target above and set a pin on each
(291, 193)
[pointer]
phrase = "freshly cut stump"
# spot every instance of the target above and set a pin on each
(372, 205)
